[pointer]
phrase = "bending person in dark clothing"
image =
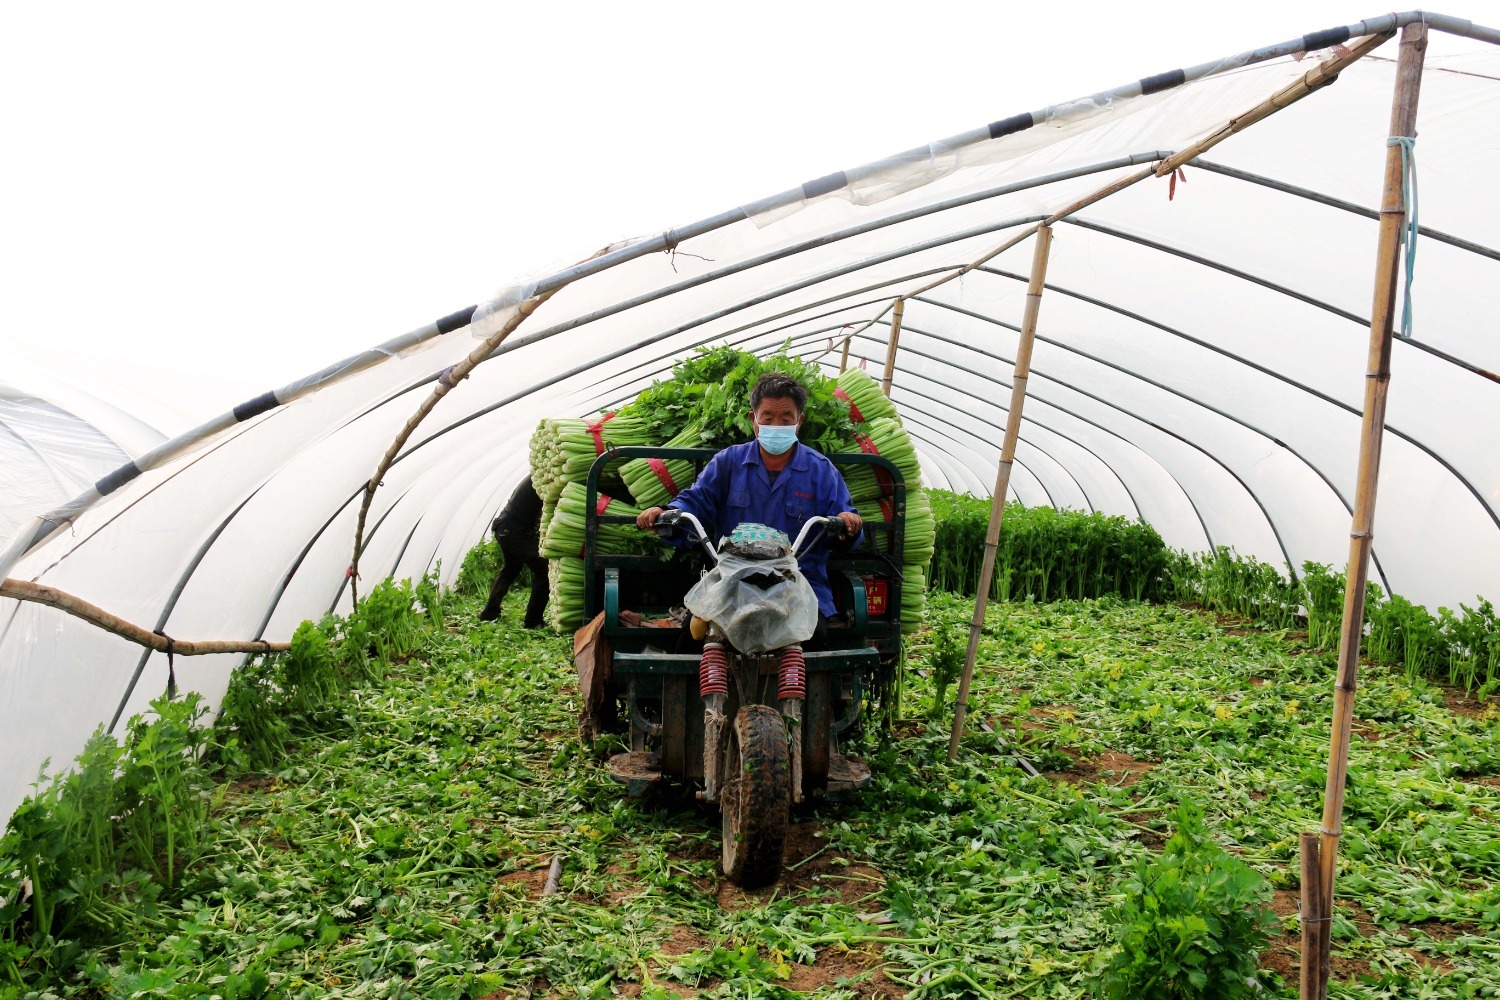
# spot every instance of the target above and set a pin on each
(517, 533)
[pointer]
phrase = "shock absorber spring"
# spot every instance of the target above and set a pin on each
(713, 670)
(793, 673)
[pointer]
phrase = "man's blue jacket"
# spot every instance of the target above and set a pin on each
(735, 488)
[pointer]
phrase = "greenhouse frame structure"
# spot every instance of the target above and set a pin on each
(1198, 363)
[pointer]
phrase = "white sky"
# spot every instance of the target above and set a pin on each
(254, 191)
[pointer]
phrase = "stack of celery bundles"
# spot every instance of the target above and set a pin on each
(705, 403)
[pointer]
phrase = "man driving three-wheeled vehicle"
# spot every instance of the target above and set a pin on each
(792, 622)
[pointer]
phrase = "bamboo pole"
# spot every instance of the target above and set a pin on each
(1314, 923)
(1319, 76)
(844, 356)
(448, 380)
(891, 346)
(1361, 533)
(1002, 475)
(36, 593)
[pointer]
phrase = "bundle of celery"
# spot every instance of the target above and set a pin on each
(562, 543)
(878, 431)
(887, 438)
(863, 396)
(542, 449)
(563, 449)
(920, 530)
(916, 550)
(548, 509)
(581, 445)
(565, 595)
(654, 481)
(565, 532)
(913, 597)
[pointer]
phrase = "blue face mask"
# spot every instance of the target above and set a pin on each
(775, 438)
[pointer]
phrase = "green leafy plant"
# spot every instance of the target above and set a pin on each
(1323, 594)
(1045, 554)
(1461, 648)
(477, 571)
(312, 683)
(389, 614)
(92, 845)
(946, 658)
(162, 785)
(252, 732)
(1191, 924)
(431, 596)
(1473, 655)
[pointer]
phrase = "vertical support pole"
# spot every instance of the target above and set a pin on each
(844, 356)
(1002, 474)
(890, 350)
(1372, 429)
(1314, 924)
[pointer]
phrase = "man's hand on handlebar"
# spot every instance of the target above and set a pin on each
(852, 523)
(647, 518)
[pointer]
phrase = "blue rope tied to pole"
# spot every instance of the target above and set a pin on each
(1408, 144)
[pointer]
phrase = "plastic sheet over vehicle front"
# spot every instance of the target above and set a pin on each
(759, 604)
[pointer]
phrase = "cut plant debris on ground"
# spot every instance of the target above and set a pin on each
(401, 844)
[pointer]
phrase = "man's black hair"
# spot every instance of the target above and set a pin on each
(775, 385)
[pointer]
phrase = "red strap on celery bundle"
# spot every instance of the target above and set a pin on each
(597, 430)
(600, 506)
(854, 413)
(662, 475)
(882, 477)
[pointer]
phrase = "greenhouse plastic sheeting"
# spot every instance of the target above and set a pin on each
(1200, 363)
(63, 426)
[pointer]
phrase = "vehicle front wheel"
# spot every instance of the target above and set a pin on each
(755, 796)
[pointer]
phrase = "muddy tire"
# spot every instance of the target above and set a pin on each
(755, 797)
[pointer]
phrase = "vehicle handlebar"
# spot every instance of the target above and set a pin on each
(833, 526)
(672, 520)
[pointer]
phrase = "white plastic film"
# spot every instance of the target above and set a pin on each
(1200, 363)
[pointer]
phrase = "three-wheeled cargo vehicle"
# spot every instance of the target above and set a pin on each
(751, 731)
